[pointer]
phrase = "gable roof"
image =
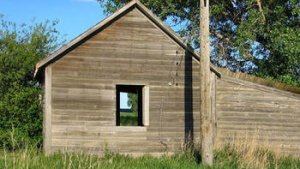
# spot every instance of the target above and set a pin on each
(135, 4)
(105, 23)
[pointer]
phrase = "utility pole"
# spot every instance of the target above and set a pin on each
(205, 93)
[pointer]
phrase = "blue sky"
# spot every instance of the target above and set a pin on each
(74, 16)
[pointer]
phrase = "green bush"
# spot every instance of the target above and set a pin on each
(21, 47)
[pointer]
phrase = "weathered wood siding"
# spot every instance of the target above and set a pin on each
(249, 113)
(132, 50)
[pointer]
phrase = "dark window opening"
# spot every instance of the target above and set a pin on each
(135, 116)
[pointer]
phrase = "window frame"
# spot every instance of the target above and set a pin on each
(143, 102)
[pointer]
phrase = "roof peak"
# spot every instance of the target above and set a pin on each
(106, 22)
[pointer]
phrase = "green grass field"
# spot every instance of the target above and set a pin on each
(128, 119)
(227, 158)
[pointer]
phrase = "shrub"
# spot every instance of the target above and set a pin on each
(20, 108)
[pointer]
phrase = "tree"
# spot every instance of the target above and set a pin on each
(20, 107)
(133, 102)
(253, 36)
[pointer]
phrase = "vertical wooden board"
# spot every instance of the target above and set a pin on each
(146, 106)
(47, 123)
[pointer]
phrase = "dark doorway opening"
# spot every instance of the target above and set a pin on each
(135, 117)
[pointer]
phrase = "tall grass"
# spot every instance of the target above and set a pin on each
(247, 150)
(237, 157)
(228, 157)
(33, 158)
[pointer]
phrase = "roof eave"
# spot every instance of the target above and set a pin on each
(81, 38)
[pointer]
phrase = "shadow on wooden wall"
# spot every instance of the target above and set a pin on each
(188, 99)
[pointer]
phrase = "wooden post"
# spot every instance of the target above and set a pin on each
(205, 93)
(47, 121)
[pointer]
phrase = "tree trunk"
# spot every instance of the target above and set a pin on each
(205, 93)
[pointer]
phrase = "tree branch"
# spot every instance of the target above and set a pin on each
(261, 11)
(220, 36)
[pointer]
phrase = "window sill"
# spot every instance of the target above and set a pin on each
(131, 128)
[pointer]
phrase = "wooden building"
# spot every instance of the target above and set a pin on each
(133, 51)
(254, 111)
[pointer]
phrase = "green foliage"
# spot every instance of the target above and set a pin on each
(133, 102)
(20, 107)
(245, 36)
(227, 158)
(128, 119)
